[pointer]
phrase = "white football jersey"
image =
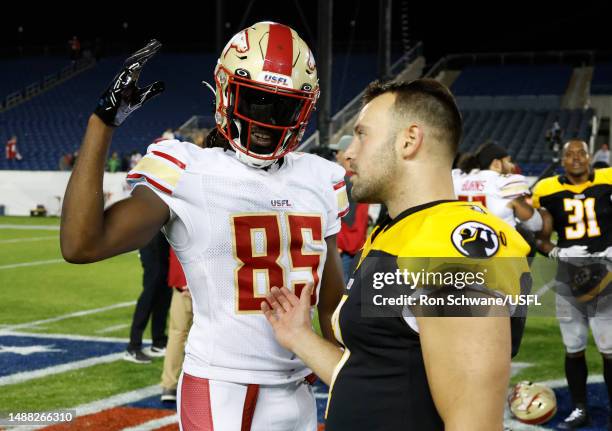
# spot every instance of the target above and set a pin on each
(492, 189)
(238, 231)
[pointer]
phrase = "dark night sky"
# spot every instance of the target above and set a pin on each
(444, 28)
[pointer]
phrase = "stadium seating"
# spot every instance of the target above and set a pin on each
(602, 79)
(522, 131)
(53, 123)
(515, 105)
(513, 80)
(19, 73)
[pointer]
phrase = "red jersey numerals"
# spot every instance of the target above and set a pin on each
(257, 248)
(479, 198)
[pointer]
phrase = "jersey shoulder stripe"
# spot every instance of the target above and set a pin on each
(162, 166)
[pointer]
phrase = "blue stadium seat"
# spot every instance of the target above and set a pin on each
(53, 123)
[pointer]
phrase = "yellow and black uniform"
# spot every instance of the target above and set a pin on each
(380, 382)
(582, 213)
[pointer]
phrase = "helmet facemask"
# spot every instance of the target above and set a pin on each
(265, 92)
(265, 122)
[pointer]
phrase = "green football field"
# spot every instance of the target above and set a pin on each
(39, 294)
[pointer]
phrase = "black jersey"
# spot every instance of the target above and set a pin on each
(582, 213)
(380, 383)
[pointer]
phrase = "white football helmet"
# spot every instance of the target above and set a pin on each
(532, 403)
(266, 89)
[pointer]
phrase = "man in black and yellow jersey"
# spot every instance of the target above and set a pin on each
(404, 371)
(578, 208)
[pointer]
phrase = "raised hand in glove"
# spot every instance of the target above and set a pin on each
(122, 97)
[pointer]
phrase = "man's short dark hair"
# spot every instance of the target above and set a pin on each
(427, 99)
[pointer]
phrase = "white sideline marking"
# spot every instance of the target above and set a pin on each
(36, 238)
(44, 372)
(517, 367)
(35, 263)
(154, 424)
(117, 400)
(108, 403)
(542, 290)
(72, 337)
(69, 315)
(112, 328)
(26, 227)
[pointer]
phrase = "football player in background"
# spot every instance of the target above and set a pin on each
(241, 219)
(495, 185)
(579, 210)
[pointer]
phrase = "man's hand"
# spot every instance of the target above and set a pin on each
(122, 97)
(288, 315)
(569, 254)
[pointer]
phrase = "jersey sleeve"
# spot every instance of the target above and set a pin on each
(338, 201)
(512, 186)
(161, 168)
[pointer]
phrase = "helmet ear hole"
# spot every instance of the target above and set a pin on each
(244, 73)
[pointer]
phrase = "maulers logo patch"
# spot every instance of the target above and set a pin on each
(475, 239)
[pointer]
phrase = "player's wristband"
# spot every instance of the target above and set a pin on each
(535, 222)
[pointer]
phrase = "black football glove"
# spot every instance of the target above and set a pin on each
(122, 97)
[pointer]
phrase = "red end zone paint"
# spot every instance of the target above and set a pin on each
(113, 419)
(279, 53)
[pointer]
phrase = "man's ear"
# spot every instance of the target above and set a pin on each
(410, 140)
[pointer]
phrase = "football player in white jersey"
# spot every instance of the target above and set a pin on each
(240, 222)
(495, 186)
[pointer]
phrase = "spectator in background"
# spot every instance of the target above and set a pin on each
(135, 157)
(602, 155)
(65, 162)
(181, 318)
(168, 134)
(354, 226)
(554, 136)
(12, 153)
(114, 163)
(75, 48)
(154, 302)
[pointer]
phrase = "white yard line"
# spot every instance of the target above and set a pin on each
(107, 403)
(30, 227)
(33, 239)
(44, 372)
(35, 263)
(69, 315)
(112, 328)
(72, 337)
(117, 400)
(542, 290)
(154, 424)
(517, 367)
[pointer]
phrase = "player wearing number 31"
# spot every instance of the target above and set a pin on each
(242, 217)
(578, 206)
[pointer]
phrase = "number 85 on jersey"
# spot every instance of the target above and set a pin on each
(275, 250)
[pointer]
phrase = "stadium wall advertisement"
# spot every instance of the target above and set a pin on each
(22, 191)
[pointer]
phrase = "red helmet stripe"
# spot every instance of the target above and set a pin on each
(279, 53)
